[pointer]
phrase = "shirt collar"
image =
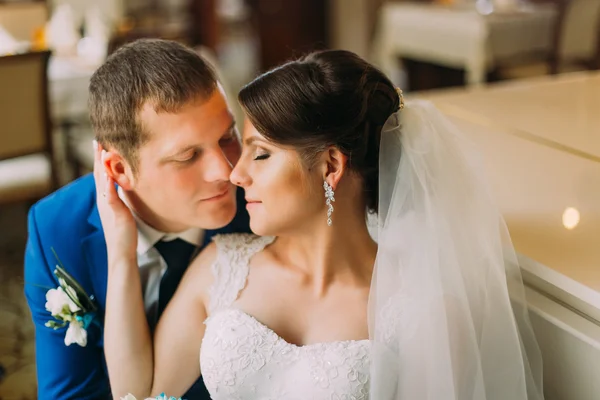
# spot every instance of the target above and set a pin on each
(148, 236)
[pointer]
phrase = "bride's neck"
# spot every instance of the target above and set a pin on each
(323, 255)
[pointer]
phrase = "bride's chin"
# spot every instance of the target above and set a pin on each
(260, 228)
(257, 229)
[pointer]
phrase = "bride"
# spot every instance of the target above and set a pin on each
(314, 308)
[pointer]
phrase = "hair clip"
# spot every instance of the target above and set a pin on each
(399, 91)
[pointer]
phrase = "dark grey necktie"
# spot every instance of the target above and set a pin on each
(177, 254)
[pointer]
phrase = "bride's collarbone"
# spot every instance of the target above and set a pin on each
(297, 312)
(302, 323)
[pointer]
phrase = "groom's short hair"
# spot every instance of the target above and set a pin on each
(163, 73)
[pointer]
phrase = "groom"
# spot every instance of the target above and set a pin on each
(158, 108)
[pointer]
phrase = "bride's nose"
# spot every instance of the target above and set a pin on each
(239, 176)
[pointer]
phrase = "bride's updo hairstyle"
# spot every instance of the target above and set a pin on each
(327, 98)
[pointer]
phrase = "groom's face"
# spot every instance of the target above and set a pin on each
(182, 179)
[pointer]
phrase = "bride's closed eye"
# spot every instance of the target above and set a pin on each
(261, 156)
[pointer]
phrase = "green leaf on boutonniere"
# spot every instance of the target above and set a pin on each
(55, 324)
(82, 299)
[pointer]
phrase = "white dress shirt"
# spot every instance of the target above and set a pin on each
(152, 265)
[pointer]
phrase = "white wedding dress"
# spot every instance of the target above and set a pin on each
(241, 358)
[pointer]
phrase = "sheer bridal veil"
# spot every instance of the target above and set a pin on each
(441, 321)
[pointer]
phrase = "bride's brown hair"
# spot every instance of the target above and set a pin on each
(327, 98)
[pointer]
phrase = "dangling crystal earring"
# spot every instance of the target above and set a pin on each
(329, 196)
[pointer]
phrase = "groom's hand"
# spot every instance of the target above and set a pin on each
(120, 230)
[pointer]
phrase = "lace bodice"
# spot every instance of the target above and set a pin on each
(241, 358)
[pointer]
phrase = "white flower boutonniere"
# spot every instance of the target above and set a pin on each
(70, 304)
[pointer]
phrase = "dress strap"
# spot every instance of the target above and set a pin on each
(231, 267)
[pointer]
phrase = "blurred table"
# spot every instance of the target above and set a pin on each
(549, 194)
(556, 111)
(458, 36)
(534, 185)
(541, 143)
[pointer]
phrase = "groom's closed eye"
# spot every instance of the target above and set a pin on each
(188, 158)
(190, 154)
(185, 156)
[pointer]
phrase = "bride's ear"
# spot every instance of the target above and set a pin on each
(335, 164)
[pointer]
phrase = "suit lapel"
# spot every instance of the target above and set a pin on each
(94, 250)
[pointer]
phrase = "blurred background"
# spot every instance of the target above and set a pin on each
(522, 71)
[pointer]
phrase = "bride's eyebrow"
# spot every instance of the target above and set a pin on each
(251, 140)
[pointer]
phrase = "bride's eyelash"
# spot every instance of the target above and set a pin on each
(262, 157)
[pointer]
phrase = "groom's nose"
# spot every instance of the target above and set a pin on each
(217, 168)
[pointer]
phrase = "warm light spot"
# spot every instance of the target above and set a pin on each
(570, 218)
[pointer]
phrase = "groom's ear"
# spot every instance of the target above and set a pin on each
(119, 170)
(335, 163)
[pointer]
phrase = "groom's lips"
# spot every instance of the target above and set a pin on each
(218, 196)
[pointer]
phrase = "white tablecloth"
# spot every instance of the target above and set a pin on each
(460, 37)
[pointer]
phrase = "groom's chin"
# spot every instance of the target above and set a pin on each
(216, 216)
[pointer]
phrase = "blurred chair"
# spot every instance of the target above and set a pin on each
(575, 42)
(578, 35)
(22, 19)
(27, 166)
(79, 153)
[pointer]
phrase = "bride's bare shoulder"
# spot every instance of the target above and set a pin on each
(199, 275)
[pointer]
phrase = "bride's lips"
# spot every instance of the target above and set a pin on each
(250, 203)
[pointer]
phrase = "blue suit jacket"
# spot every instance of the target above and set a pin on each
(68, 221)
